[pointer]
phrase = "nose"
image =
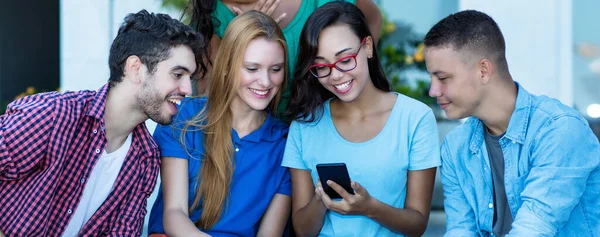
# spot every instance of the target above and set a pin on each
(434, 89)
(185, 86)
(336, 74)
(264, 79)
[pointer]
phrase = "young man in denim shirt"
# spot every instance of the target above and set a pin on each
(521, 165)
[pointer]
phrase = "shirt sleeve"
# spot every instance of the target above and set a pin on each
(425, 148)
(285, 187)
(563, 155)
(292, 156)
(25, 129)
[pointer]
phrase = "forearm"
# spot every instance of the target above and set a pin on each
(177, 223)
(308, 221)
(404, 221)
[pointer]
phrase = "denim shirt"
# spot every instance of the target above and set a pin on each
(551, 177)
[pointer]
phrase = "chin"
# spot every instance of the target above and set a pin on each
(259, 107)
(162, 119)
(455, 115)
(348, 97)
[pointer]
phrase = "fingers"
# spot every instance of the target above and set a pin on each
(280, 18)
(237, 11)
(358, 188)
(338, 189)
(259, 5)
(336, 206)
(324, 197)
(270, 6)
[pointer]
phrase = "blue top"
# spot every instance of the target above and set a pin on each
(551, 176)
(408, 141)
(257, 177)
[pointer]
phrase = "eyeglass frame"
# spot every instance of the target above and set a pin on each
(333, 65)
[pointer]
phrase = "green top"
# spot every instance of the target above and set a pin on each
(291, 32)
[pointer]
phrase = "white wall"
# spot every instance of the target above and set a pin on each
(87, 31)
(539, 45)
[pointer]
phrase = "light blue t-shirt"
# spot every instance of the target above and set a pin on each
(408, 141)
(257, 177)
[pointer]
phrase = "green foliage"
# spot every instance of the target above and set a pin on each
(178, 5)
(400, 50)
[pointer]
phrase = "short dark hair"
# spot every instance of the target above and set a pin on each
(150, 37)
(307, 94)
(470, 31)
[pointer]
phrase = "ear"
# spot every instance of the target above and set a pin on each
(369, 46)
(133, 69)
(485, 69)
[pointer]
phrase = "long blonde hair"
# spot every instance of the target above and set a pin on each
(215, 120)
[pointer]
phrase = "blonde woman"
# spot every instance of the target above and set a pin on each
(221, 161)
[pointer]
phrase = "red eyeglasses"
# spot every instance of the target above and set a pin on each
(343, 64)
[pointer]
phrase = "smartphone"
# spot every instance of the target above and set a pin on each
(336, 172)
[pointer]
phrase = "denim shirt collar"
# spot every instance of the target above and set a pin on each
(517, 126)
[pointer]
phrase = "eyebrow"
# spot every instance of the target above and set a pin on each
(336, 54)
(437, 73)
(179, 67)
(258, 64)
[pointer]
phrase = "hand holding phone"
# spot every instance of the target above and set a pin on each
(336, 172)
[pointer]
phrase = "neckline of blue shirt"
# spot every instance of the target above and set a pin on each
(517, 125)
(339, 137)
(271, 130)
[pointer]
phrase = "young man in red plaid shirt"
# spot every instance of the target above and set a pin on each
(83, 163)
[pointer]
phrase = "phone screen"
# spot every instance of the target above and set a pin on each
(336, 172)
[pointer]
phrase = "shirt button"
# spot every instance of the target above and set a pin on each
(82, 180)
(514, 142)
(237, 149)
(69, 211)
(98, 151)
(95, 131)
(491, 205)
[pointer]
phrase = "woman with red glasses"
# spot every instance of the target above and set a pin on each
(345, 112)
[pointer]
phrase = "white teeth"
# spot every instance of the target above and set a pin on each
(175, 101)
(260, 92)
(343, 86)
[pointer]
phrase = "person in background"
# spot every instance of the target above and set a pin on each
(221, 159)
(521, 165)
(212, 17)
(345, 112)
(83, 163)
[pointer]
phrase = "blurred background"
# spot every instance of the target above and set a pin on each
(553, 48)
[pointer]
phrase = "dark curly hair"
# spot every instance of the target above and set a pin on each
(150, 37)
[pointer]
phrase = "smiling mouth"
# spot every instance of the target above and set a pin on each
(175, 101)
(343, 86)
(260, 92)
